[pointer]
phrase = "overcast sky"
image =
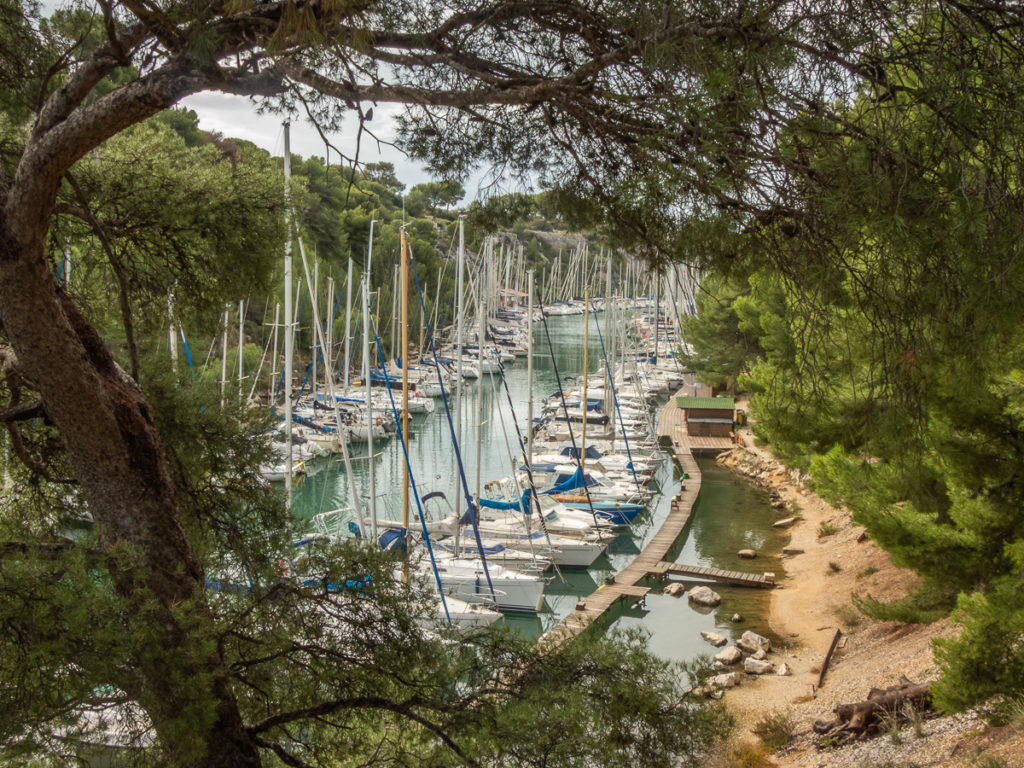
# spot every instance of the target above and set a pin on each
(235, 116)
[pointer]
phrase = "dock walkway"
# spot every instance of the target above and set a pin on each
(699, 572)
(651, 561)
(624, 586)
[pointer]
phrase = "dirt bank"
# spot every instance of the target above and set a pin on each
(814, 599)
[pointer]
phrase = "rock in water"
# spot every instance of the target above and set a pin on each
(705, 596)
(784, 522)
(714, 638)
(747, 554)
(751, 642)
(729, 655)
(756, 667)
(736, 618)
(675, 589)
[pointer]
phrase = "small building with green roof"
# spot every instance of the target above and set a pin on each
(708, 416)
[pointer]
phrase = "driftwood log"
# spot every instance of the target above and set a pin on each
(828, 656)
(877, 713)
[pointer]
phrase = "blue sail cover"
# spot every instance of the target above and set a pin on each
(502, 505)
(393, 538)
(591, 452)
(523, 505)
(571, 482)
(592, 405)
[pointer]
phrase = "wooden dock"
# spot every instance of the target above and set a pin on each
(624, 585)
(651, 561)
(765, 580)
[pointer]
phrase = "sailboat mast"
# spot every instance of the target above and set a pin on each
(394, 306)
(609, 356)
(366, 318)
(241, 337)
(329, 336)
(488, 250)
(529, 374)
(369, 401)
(314, 293)
(405, 257)
(172, 337)
(288, 340)
(586, 371)
(348, 317)
(273, 356)
(458, 348)
(224, 358)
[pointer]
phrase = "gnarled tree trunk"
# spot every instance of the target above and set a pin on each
(110, 437)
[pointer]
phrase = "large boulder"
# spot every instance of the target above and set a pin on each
(729, 655)
(714, 638)
(675, 589)
(751, 642)
(757, 667)
(705, 596)
(727, 680)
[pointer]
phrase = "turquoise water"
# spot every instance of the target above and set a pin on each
(730, 514)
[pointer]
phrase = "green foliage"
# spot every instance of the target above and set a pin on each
(775, 729)
(826, 529)
(166, 219)
(889, 366)
(848, 615)
(924, 605)
(984, 659)
(1005, 711)
(867, 255)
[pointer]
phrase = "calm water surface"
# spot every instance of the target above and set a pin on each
(730, 513)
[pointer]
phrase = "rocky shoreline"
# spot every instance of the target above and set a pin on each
(827, 560)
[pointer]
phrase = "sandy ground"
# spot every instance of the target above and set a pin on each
(813, 601)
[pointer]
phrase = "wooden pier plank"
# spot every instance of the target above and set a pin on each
(715, 574)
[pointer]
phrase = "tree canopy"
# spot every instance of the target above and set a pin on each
(855, 165)
(167, 614)
(884, 355)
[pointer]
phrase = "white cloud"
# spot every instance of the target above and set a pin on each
(236, 117)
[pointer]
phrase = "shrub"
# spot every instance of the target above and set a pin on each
(774, 729)
(848, 615)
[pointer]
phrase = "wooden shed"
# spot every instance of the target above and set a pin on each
(708, 416)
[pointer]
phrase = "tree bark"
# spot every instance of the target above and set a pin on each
(860, 714)
(112, 443)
